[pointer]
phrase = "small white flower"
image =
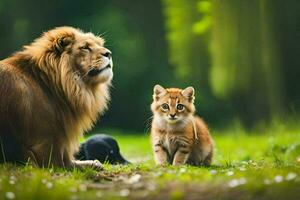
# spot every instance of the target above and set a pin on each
(182, 170)
(278, 179)
(10, 195)
(124, 192)
(134, 179)
(230, 173)
(233, 183)
(291, 176)
(213, 171)
(237, 182)
(44, 181)
(49, 185)
(242, 169)
(267, 182)
(12, 180)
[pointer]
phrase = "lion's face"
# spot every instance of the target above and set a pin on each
(86, 55)
(92, 61)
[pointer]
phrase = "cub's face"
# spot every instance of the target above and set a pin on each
(173, 105)
(92, 61)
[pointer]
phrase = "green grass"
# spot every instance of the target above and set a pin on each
(260, 165)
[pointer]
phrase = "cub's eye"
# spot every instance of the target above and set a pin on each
(180, 107)
(165, 106)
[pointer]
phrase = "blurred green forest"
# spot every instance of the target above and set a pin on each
(241, 56)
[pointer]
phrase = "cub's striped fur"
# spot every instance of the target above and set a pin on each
(178, 136)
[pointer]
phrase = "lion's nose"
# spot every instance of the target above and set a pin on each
(106, 54)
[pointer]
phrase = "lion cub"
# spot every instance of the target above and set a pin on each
(178, 136)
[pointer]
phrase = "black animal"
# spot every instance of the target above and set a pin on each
(103, 148)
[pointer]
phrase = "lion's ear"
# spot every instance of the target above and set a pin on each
(62, 42)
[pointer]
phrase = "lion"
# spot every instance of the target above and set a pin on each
(51, 92)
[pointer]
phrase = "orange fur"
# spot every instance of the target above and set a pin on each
(177, 135)
(49, 97)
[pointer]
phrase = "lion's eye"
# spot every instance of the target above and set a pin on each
(165, 106)
(85, 47)
(180, 107)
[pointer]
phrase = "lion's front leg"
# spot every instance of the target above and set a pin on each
(83, 164)
(44, 155)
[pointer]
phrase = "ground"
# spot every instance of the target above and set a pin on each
(247, 165)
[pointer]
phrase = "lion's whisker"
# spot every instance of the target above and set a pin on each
(84, 75)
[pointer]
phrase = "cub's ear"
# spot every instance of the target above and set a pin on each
(62, 42)
(189, 93)
(158, 91)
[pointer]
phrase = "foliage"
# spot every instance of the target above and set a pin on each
(244, 51)
(232, 49)
(188, 51)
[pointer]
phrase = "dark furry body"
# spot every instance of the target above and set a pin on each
(101, 147)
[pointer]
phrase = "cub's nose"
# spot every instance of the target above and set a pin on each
(106, 54)
(172, 116)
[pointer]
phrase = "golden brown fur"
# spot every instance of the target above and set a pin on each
(178, 137)
(51, 92)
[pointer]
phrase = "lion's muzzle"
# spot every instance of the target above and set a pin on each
(95, 71)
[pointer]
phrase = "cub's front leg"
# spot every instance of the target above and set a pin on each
(160, 154)
(182, 154)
